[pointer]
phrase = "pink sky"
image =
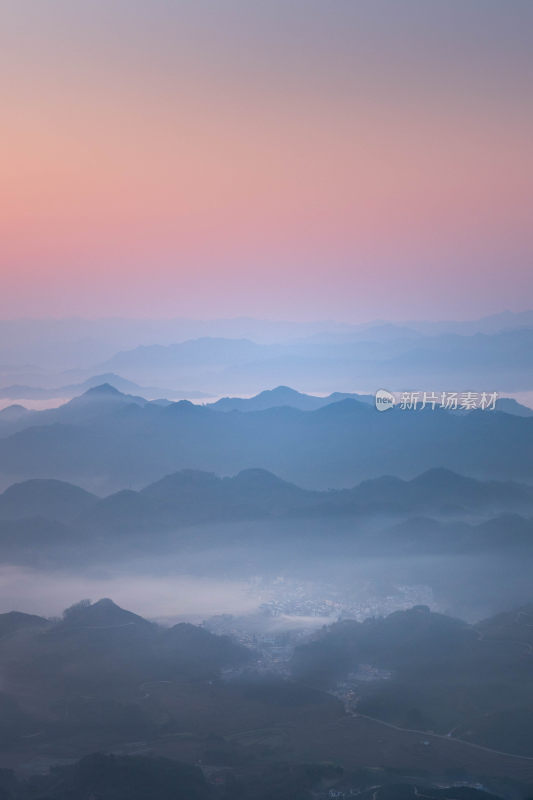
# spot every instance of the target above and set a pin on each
(220, 159)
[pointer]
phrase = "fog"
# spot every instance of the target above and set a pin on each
(180, 596)
(297, 591)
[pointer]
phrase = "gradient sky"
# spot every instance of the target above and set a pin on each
(283, 158)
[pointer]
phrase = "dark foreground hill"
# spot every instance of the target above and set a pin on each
(439, 674)
(99, 642)
(105, 679)
(102, 677)
(140, 777)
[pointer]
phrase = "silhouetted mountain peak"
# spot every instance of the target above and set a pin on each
(14, 621)
(510, 406)
(42, 486)
(103, 390)
(183, 479)
(200, 646)
(13, 412)
(47, 497)
(106, 379)
(257, 477)
(442, 477)
(97, 395)
(283, 396)
(280, 391)
(343, 407)
(102, 396)
(184, 407)
(102, 614)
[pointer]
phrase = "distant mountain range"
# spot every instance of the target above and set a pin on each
(205, 351)
(392, 356)
(49, 521)
(285, 396)
(18, 416)
(67, 341)
(105, 440)
(192, 496)
(20, 391)
(183, 358)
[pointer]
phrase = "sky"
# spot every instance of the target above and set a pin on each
(343, 159)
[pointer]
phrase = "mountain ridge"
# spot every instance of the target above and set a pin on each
(190, 495)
